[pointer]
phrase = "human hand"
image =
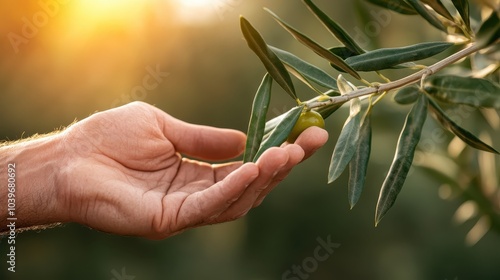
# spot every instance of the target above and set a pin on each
(126, 171)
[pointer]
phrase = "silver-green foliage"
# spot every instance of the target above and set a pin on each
(423, 89)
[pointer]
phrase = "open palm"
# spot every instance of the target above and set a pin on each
(127, 172)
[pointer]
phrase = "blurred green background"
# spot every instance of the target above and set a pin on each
(88, 56)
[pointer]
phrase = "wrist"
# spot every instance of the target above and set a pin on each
(28, 176)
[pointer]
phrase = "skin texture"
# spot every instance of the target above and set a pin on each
(135, 170)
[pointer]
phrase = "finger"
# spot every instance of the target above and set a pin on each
(222, 170)
(200, 208)
(311, 140)
(270, 164)
(296, 154)
(203, 142)
(306, 144)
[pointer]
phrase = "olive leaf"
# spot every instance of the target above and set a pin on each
(258, 118)
(319, 50)
(408, 140)
(271, 62)
(279, 134)
(388, 57)
(302, 78)
(395, 5)
(489, 32)
(346, 144)
(359, 163)
(326, 111)
(308, 70)
(342, 52)
(438, 6)
(334, 28)
(470, 91)
(272, 123)
(463, 134)
(426, 14)
(407, 95)
(462, 7)
(345, 53)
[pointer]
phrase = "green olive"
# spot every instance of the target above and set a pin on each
(306, 119)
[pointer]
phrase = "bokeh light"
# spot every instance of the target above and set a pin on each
(61, 61)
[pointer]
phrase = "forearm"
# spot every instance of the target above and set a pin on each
(28, 176)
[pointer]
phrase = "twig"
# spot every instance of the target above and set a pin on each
(413, 78)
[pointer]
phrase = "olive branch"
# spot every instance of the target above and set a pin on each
(386, 87)
(422, 88)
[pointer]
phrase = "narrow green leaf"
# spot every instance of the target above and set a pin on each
(395, 5)
(404, 65)
(346, 144)
(408, 140)
(426, 14)
(342, 52)
(324, 111)
(334, 28)
(308, 70)
(359, 162)
(345, 53)
(271, 62)
(279, 134)
(407, 95)
(388, 57)
(272, 123)
(489, 32)
(474, 92)
(258, 118)
(319, 50)
(463, 134)
(302, 78)
(462, 7)
(330, 109)
(438, 6)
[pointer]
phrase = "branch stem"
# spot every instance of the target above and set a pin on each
(413, 78)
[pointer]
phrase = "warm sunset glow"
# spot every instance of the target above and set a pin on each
(100, 48)
(92, 21)
(196, 11)
(108, 10)
(195, 3)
